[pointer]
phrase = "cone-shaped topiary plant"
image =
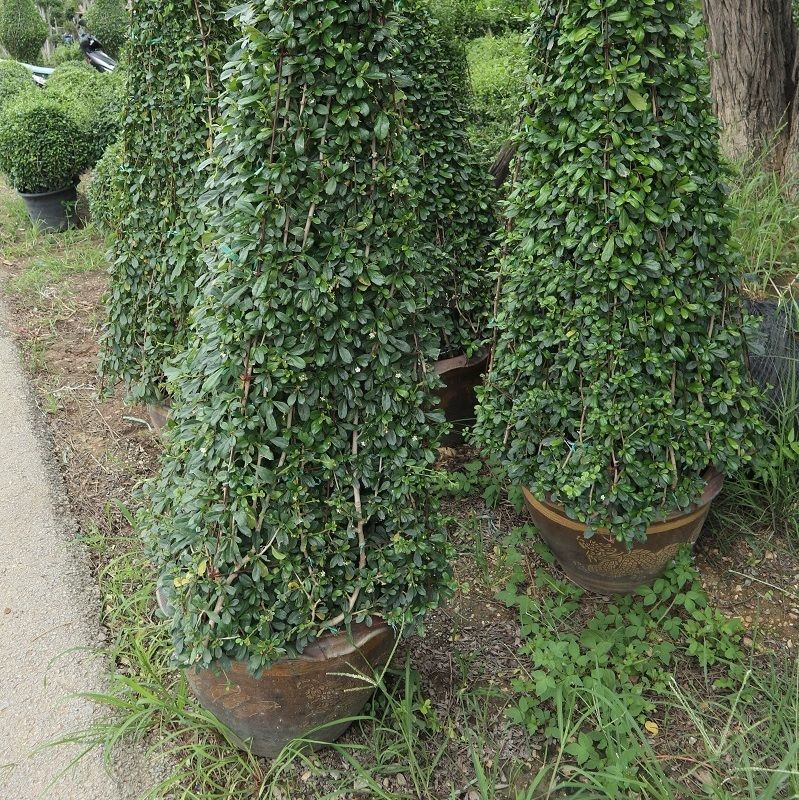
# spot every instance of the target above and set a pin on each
(455, 188)
(108, 21)
(618, 375)
(293, 496)
(169, 108)
(22, 29)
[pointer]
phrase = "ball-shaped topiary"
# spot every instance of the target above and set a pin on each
(104, 186)
(618, 375)
(454, 187)
(168, 112)
(94, 99)
(108, 21)
(22, 29)
(14, 80)
(38, 145)
(293, 495)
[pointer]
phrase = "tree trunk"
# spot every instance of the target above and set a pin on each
(752, 46)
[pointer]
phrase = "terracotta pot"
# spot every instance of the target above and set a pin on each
(296, 695)
(158, 414)
(461, 376)
(604, 565)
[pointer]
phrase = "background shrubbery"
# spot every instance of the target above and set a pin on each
(22, 29)
(94, 99)
(108, 21)
(496, 66)
(14, 79)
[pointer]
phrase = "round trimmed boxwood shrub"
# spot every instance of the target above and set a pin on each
(22, 29)
(618, 375)
(169, 107)
(108, 21)
(37, 145)
(14, 80)
(293, 497)
(104, 187)
(94, 98)
(454, 186)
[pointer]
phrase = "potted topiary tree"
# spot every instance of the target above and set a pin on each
(22, 29)
(169, 108)
(617, 393)
(108, 21)
(455, 197)
(41, 156)
(291, 520)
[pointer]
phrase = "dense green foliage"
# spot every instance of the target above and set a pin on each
(628, 649)
(108, 21)
(105, 183)
(467, 19)
(14, 79)
(66, 53)
(22, 29)
(94, 99)
(618, 375)
(168, 109)
(455, 188)
(293, 493)
(38, 151)
(496, 68)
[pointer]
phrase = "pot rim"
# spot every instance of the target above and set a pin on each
(443, 365)
(714, 481)
(33, 195)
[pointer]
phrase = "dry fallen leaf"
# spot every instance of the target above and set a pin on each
(652, 727)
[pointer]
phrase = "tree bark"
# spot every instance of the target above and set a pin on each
(752, 47)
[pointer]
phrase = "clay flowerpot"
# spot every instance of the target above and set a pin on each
(296, 695)
(604, 565)
(461, 376)
(158, 414)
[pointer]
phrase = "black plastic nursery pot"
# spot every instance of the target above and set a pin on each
(54, 211)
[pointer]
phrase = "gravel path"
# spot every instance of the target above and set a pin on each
(48, 613)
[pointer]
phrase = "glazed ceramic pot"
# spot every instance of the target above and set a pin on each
(604, 565)
(461, 376)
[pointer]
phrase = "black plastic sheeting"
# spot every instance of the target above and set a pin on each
(774, 349)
